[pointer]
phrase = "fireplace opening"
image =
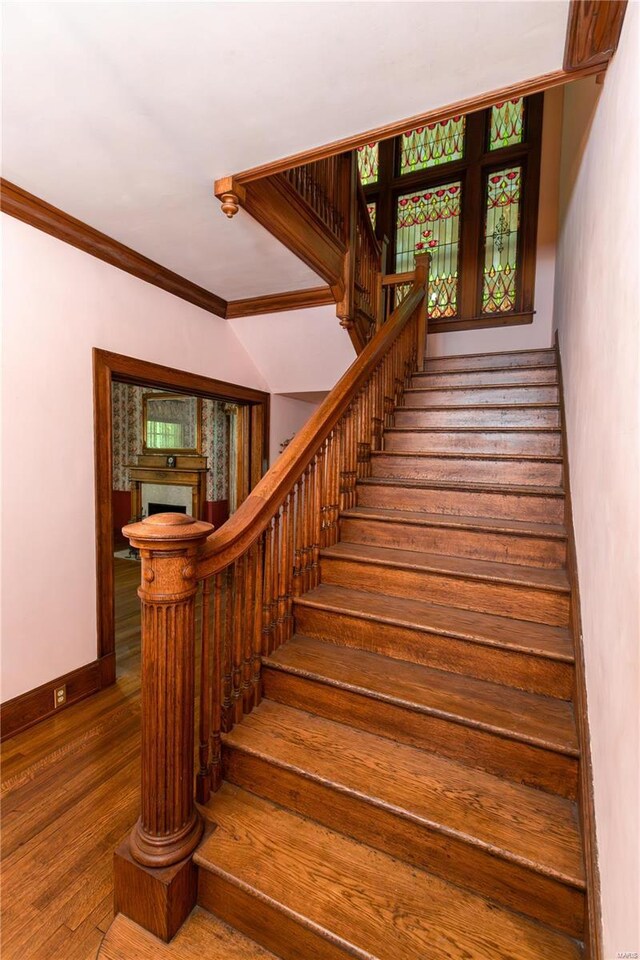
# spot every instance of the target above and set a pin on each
(165, 508)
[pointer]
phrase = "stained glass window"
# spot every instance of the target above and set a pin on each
(431, 145)
(368, 163)
(429, 221)
(371, 207)
(501, 240)
(507, 124)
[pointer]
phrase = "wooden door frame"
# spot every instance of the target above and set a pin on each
(108, 367)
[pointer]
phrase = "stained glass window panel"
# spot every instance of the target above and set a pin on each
(371, 207)
(368, 163)
(432, 145)
(502, 224)
(429, 222)
(507, 124)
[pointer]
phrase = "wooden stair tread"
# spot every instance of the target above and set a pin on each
(461, 455)
(522, 635)
(543, 404)
(201, 937)
(497, 354)
(512, 821)
(474, 386)
(540, 577)
(365, 902)
(463, 429)
(529, 717)
(465, 485)
(501, 367)
(387, 515)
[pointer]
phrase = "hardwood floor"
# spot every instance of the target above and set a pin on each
(69, 794)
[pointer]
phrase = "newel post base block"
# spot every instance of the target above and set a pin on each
(160, 900)
(170, 826)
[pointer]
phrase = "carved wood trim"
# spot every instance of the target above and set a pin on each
(279, 302)
(37, 213)
(480, 101)
(593, 32)
(108, 366)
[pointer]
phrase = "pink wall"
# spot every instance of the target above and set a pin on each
(287, 417)
(538, 333)
(57, 304)
(597, 296)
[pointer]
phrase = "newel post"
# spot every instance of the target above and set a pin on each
(170, 826)
(423, 265)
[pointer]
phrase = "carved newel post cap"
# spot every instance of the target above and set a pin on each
(163, 527)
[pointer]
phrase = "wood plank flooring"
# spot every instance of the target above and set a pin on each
(70, 793)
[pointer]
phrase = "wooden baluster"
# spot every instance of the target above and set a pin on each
(283, 566)
(227, 647)
(299, 492)
(169, 827)
(342, 464)
(353, 461)
(308, 527)
(238, 649)
(267, 587)
(256, 672)
(207, 680)
(289, 570)
(275, 584)
(318, 468)
(215, 750)
(248, 633)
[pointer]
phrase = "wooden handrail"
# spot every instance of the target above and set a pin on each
(228, 543)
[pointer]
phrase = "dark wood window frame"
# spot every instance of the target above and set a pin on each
(108, 367)
(472, 170)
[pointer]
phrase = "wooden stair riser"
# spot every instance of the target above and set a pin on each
(536, 674)
(462, 503)
(458, 542)
(522, 602)
(421, 844)
(484, 749)
(525, 473)
(538, 443)
(263, 920)
(475, 396)
(474, 378)
(492, 418)
(525, 358)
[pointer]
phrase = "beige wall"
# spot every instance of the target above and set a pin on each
(58, 303)
(538, 333)
(597, 314)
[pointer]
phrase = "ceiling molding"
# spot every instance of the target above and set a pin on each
(593, 32)
(37, 213)
(524, 88)
(278, 302)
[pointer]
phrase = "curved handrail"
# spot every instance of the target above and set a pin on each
(243, 528)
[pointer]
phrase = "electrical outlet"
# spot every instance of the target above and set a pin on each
(60, 695)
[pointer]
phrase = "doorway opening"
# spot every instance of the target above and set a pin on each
(166, 441)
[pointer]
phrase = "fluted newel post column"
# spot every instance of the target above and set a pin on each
(170, 826)
(423, 263)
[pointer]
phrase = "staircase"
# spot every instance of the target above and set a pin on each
(406, 790)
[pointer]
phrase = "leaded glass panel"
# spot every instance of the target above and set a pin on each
(371, 207)
(429, 221)
(502, 224)
(507, 124)
(432, 145)
(368, 163)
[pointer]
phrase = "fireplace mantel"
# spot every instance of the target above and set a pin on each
(188, 472)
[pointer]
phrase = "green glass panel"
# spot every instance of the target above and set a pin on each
(429, 222)
(368, 163)
(371, 207)
(432, 145)
(507, 124)
(502, 224)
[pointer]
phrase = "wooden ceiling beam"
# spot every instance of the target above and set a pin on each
(593, 32)
(278, 302)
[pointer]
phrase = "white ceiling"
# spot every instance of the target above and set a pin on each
(123, 113)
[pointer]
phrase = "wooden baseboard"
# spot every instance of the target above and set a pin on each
(586, 803)
(35, 705)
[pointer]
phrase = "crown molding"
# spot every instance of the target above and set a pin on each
(278, 302)
(38, 213)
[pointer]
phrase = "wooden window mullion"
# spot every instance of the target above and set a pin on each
(472, 217)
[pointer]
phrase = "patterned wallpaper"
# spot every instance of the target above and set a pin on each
(127, 439)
